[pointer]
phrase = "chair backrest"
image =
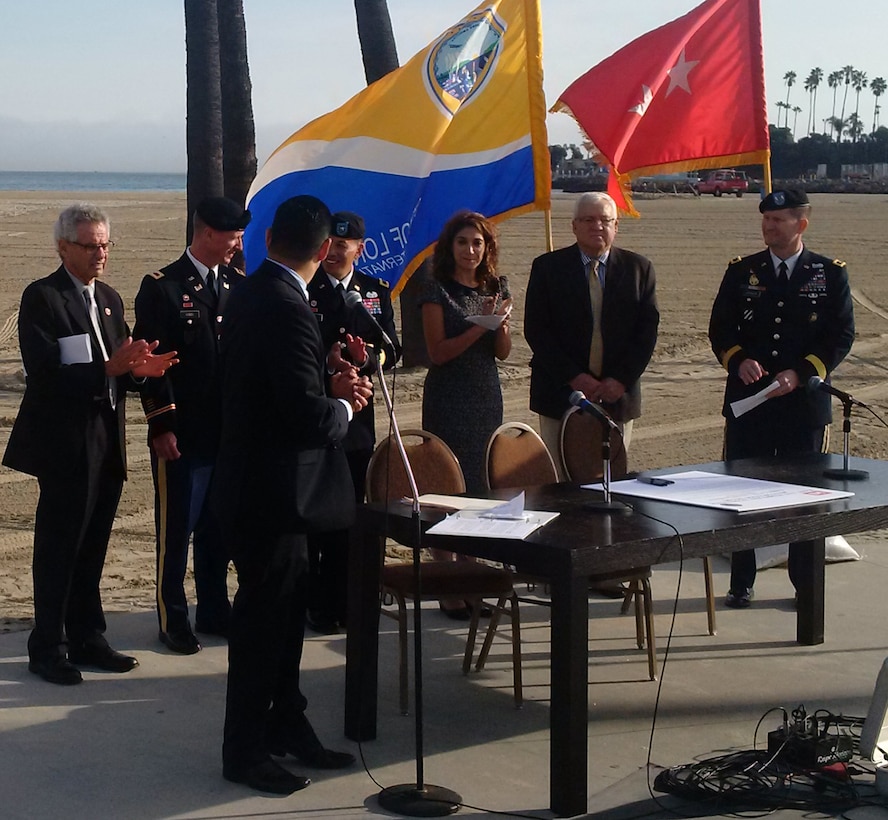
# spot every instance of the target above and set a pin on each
(516, 456)
(581, 448)
(435, 467)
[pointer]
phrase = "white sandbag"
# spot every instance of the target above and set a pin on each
(837, 549)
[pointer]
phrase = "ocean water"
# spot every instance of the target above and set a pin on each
(89, 181)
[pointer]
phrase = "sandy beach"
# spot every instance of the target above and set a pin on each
(690, 241)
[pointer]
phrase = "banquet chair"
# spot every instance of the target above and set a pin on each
(516, 456)
(436, 470)
(582, 458)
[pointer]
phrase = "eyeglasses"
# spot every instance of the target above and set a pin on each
(93, 247)
(606, 221)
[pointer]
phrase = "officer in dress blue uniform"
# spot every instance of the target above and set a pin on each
(347, 333)
(182, 306)
(781, 315)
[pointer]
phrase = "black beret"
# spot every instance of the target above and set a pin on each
(348, 225)
(222, 214)
(780, 200)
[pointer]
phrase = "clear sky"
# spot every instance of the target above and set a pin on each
(100, 85)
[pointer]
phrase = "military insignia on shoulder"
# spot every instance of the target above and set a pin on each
(238, 271)
(735, 260)
(156, 275)
(384, 283)
(838, 263)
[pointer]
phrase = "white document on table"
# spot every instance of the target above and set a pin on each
(725, 492)
(506, 519)
(75, 349)
(741, 406)
(473, 523)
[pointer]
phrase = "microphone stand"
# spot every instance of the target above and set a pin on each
(845, 472)
(607, 505)
(417, 799)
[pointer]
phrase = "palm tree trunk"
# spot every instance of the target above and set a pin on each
(203, 125)
(380, 56)
(238, 127)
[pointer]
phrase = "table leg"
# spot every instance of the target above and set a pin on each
(807, 562)
(569, 712)
(362, 640)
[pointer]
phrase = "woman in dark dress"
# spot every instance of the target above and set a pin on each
(462, 401)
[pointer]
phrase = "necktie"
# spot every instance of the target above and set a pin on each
(782, 278)
(596, 295)
(211, 282)
(92, 310)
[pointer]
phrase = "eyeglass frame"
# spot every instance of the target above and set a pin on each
(92, 247)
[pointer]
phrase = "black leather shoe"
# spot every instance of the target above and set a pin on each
(101, 657)
(739, 600)
(211, 629)
(181, 641)
(267, 776)
(320, 622)
(56, 670)
(303, 744)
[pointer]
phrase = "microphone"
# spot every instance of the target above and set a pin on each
(353, 301)
(578, 399)
(816, 383)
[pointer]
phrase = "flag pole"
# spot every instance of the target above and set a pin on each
(768, 182)
(548, 222)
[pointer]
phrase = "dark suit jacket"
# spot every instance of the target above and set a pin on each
(558, 327)
(335, 321)
(174, 307)
(809, 329)
(50, 431)
(275, 412)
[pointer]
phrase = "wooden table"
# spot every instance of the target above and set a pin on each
(581, 542)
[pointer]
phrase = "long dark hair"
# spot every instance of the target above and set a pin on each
(443, 263)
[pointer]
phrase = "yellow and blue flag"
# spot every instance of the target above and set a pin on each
(461, 125)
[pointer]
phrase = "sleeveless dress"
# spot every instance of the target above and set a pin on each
(462, 401)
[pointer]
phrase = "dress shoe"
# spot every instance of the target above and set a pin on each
(101, 657)
(56, 670)
(300, 741)
(739, 600)
(181, 641)
(217, 631)
(266, 776)
(456, 613)
(322, 623)
(608, 589)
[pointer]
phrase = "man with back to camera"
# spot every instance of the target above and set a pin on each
(69, 432)
(782, 315)
(277, 418)
(571, 349)
(182, 306)
(344, 330)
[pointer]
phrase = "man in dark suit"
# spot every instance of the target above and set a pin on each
(344, 331)
(277, 419)
(182, 306)
(79, 362)
(782, 315)
(568, 288)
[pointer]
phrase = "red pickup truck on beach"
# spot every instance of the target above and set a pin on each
(724, 182)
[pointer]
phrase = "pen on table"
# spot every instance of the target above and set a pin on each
(654, 480)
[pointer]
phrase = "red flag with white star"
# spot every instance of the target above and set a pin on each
(690, 94)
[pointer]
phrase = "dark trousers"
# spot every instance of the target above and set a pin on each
(758, 437)
(328, 553)
(181, 514)
(74, 516)
(264, 643)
